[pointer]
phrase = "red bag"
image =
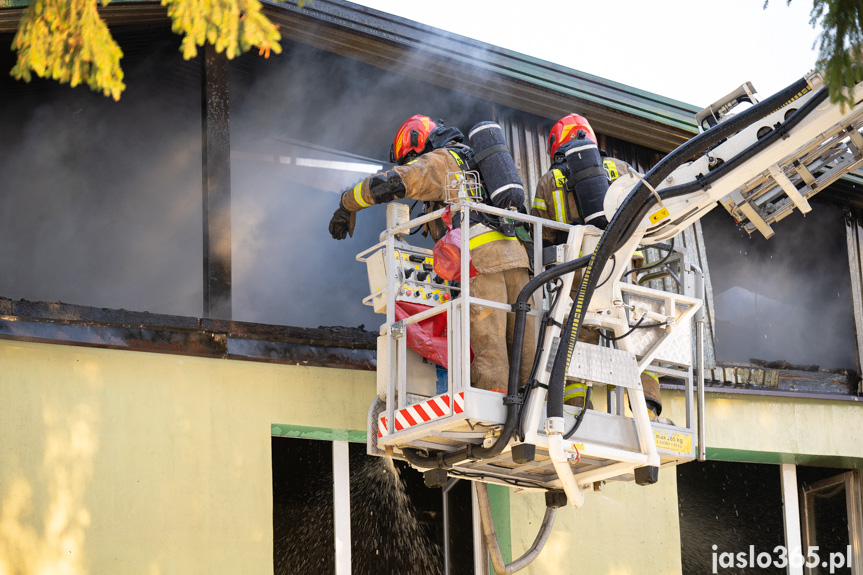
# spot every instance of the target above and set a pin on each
(447, 252)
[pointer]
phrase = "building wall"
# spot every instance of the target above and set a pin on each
(123, 462)
(625, 529)
(775, 429)
(115, 461)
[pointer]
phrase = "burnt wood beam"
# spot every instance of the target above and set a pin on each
(66, 324)
(216, 148)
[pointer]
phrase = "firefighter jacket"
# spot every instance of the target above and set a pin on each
(425, 179)
(554, 202)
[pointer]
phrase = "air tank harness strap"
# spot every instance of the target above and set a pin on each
(562, 183)
(590, 172)
(469, 162)
(559, 199)
(458, 159)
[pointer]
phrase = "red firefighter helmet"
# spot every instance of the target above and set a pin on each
(566, 129)
(411, 137)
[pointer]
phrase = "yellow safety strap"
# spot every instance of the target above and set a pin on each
(573, 390)
(487, 237)
(358, 195)
(559, 209)
(610, 169)
(539, 204)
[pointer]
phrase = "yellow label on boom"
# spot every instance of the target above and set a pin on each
(660, 215)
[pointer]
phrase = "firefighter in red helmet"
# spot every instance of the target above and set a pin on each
(556, 199)
(425, 152)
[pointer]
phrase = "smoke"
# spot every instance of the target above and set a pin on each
(787, 298)
(315, 106)
(102, 200)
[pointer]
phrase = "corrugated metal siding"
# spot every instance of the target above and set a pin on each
(527, 136)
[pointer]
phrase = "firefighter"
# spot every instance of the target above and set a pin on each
(425, 153)
(556, 200)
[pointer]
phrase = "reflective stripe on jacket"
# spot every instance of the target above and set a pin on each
(425, 179)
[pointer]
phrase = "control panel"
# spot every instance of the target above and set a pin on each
(413, 276)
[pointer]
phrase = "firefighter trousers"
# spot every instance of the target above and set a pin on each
(491, 330)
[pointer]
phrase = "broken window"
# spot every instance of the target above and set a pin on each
(102, 199)
(785, 300)
(306, 127)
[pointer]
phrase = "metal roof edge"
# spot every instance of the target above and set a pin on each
(493, 73)
(410, 35)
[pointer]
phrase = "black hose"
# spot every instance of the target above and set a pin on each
(708, 180)
(654, 264)
(554, 294)
(580, 417)
(705, 140)
(509, 427)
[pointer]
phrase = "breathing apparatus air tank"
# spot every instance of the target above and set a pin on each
(587, 178)
(503, 185)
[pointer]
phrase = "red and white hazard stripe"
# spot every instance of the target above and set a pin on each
(423, 412)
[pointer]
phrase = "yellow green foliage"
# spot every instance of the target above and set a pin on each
(232, 26)
(67, 41)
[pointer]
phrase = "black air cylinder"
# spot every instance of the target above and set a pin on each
(587, 178)
(502, 184)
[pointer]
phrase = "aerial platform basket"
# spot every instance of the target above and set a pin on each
(422, 406)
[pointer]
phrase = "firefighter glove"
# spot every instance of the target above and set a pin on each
(342, 223)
